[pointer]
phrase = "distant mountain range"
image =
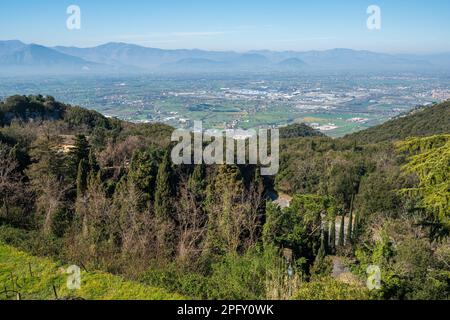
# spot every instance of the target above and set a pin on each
(17, 57)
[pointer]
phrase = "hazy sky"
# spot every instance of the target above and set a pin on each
(413, 26)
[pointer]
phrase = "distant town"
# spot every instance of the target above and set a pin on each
(336, 104)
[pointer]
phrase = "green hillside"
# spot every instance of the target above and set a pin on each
(299, 130)
(420, 122)
(34, 279)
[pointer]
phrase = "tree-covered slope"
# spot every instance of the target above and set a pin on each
(429, 159)
(420, 122)
(45, 108)
(299, 130)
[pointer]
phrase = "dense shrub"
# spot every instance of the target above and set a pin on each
(331, 289)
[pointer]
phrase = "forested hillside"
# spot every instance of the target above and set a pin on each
(101, 193)
(422, 121)
(299, 130)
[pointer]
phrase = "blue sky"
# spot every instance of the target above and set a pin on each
(414, 26)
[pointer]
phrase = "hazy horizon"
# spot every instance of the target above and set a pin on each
(224, 50)
(407, 27)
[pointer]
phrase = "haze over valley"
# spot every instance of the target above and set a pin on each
(335, 91)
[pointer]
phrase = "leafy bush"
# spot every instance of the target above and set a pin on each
(238, 277)
(34, 242)
(232, 277)
(412, 268)
(174, 279)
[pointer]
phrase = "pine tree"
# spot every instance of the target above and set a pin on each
(80, 151)
(46, 160)
(429, 159)
(82, 177)
(46, 175)
(163, 201)
(342, 231)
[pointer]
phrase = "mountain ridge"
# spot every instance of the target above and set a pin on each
(119, 56)
(34, 58)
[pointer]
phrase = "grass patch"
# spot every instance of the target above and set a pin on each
(38, 284)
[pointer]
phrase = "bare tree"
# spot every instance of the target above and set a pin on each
(50, 198)
(9, 179)
(93, 212)
(191, 225)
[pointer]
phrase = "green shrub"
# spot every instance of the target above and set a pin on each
(232, 277)
(173, 278)
(331, 289)
(243, 277)
(31, 241)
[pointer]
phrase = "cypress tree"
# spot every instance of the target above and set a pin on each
(259, 190)
(82, 177)
(341, 231)
(163, 207)
(196, 184)
(326, 236)
(319, 267)
(258, 182)
(333, 234)
(322, 250)
(348, 239)
(356, 226)
(93, 164)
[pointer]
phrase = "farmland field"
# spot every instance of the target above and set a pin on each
(335, 104)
